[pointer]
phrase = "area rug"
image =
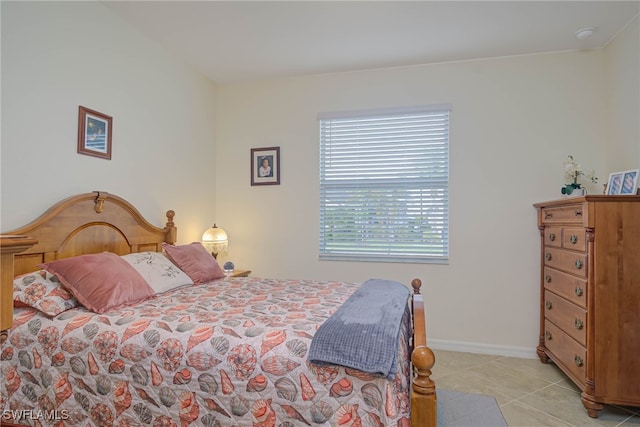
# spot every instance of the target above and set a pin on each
(458, 409)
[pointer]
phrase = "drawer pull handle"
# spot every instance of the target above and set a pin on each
(548, 335)
(579, 324)
(547, 278)
(579, 264)
(579, 291)
(578, 361)
(548, 305)
(547, 215)
(547, 256)
(573, 239)
(577, 212)
(552, 237)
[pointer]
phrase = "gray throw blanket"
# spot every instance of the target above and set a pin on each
(363, 333)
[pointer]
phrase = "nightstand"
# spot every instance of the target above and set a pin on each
(239, 273)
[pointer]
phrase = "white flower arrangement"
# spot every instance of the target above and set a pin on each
(573, 171)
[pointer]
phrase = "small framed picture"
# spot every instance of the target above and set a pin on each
(625, 182)
(265, 166)
(94, 133)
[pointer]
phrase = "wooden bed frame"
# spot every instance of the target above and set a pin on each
(98, 221)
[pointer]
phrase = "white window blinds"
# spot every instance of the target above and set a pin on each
(384, 185)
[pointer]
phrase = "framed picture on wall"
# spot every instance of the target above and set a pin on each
(625, 182)
(94, 133)
(265, 166)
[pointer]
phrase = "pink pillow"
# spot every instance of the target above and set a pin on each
(101, 282)
(195, 260)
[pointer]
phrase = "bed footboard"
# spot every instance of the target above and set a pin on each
(423, 389)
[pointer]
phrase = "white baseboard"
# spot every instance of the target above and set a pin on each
(482, 348)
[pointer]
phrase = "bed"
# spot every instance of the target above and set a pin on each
(231, 351)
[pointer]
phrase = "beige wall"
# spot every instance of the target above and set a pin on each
(623, 99)
(59, 55)
(513, 123)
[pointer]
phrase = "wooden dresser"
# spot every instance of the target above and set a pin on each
(590, 295)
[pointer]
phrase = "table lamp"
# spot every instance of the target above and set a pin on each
(215, 240)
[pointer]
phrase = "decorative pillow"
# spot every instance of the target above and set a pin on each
(194, 260)
(159, 272)
(43, 292)
(101, 282)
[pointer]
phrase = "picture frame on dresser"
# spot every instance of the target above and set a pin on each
(630, 182)
(623, 183)
(94, 133)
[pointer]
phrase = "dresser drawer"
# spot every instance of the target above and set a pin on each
(567, 286)
(567, 316)
(553, 236)
(563, 214)
(567, 261)
(574, 239)
(566, 351)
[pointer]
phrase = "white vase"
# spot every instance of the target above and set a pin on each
(578, 192)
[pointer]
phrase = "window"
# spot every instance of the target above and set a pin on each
(384, 185)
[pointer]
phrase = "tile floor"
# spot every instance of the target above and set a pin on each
(530, 393)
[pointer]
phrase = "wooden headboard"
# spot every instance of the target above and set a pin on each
(90, 223)
(83, 224)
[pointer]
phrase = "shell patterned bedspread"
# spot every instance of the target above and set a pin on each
(228, 353)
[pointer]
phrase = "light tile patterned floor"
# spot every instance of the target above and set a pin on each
(530, 393)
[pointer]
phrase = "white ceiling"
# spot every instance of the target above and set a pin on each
(236, 41)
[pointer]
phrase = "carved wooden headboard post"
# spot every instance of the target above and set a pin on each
(172, 230)
(9, 246)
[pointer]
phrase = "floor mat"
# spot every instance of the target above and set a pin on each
(458, 409)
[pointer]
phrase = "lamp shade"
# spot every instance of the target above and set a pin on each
(215, 239)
